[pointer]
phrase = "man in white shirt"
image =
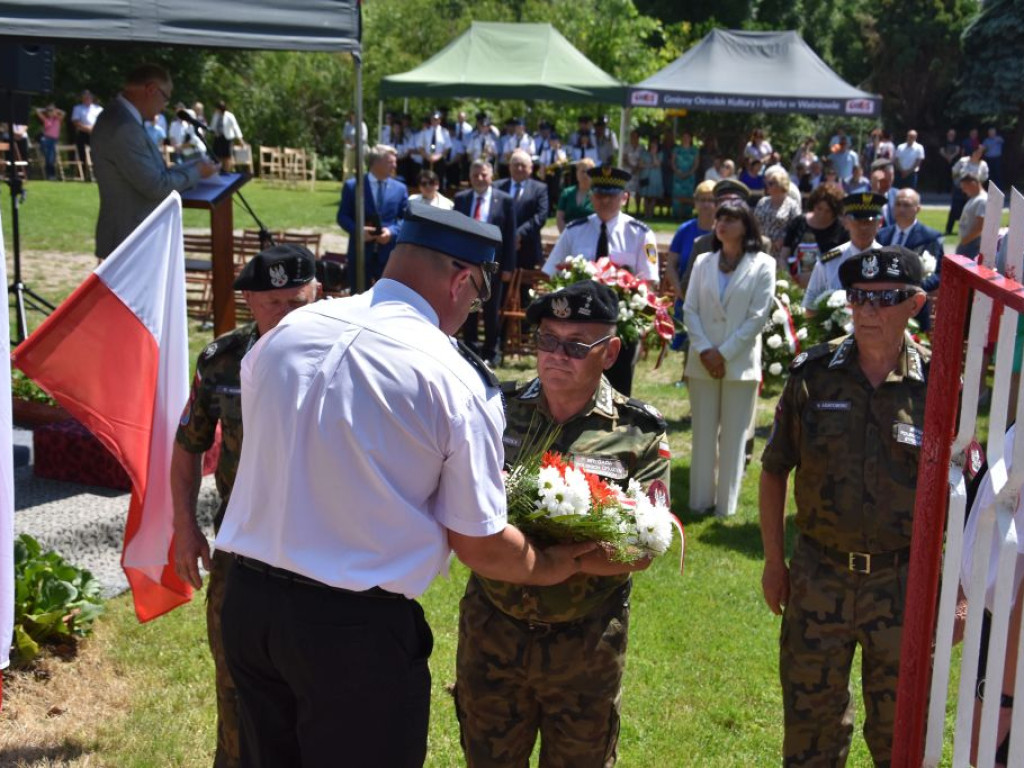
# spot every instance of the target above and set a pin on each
(435, 141)
(862, 217)
(372, 450)
(909, 156)
(83, 118)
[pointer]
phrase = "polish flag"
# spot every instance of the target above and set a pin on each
(6, 487)
(115, 355)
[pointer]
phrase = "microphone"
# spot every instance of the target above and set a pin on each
(184, 115)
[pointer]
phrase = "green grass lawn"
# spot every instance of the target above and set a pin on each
(701, 685)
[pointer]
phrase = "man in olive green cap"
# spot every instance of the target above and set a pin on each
(273, 283)
(550, 659)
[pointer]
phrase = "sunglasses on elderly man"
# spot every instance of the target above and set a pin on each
(489, 269)
(577, 350)
(858, 297)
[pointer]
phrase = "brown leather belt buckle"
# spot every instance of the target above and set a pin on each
(859, 562)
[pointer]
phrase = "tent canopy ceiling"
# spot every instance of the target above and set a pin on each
(298, 25)
(507, 61)
(731, 71)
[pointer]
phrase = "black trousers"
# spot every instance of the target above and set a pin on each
(324, 677)
(492, 325)
(620, 375)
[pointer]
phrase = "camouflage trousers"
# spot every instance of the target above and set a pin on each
(831, 610)
(227, 755)
(563, 680)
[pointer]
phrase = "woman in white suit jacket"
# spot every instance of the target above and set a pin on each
(727, 304)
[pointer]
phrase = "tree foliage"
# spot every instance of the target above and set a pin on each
(991, 82)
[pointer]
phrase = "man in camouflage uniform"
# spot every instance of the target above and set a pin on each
(551, 658)
(849, 421)
(274, 282)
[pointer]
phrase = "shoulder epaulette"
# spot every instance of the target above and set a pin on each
(814, 353)
(509, 388)
(650, 414)
(831, 255)
(637, 224)
(576, 223)
(225, 342)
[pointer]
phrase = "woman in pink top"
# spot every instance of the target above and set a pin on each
(51, 118)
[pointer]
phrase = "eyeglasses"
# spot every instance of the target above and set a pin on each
(165, 94)
(577, 350)
(489, 269)
(858, 297)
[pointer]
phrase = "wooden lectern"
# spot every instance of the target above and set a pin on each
(215, 193)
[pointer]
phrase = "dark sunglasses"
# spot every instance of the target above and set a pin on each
(489, 269)
(858, 297)
(547, 342)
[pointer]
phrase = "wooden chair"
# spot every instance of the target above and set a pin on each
(309, 239)
(270, 165)
(299, 166)
(513, 312)
(199, 276)
(340, 258)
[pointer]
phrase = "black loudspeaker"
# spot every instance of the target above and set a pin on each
(26, 68)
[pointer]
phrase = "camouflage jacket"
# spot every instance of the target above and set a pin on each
(614, 437)
(217, 396)
(855, 448)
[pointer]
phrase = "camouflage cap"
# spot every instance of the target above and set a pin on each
(890, 264)
(587, 301)
(287, 265)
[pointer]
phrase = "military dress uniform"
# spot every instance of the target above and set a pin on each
(825, 275)
(855, 451)
(216, 397)
(551, 658)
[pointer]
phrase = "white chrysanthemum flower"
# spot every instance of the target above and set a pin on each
(827, 325)
(642, 289)
(774, 341)
(779, 317)
(549, 478)
(784, 299)
(637, 302)
(782, 285)
(801, 333)
(565, 273)
(775, 369)
(837, 299)
(653, 527)
(577, 491)
(842, 316)
(928, 263)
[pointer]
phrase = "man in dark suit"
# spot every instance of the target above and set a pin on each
(912, 234)
(532, 205)
(385, 200)
(485, 203)
(132, 175)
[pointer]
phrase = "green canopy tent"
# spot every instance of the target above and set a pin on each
(506, 61)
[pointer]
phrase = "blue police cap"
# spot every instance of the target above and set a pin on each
(449, 232)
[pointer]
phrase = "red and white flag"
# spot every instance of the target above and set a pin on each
(6, 486)
(115, 355)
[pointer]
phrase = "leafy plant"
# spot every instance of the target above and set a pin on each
(23, 388)
(54, 601)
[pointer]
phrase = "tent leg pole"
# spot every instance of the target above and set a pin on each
(623, 132)
(360, 246)
(380, 121)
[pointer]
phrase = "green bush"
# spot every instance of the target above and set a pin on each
(23, 388)
(54, 602)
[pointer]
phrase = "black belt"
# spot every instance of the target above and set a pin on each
(294, 578)
(860, 562)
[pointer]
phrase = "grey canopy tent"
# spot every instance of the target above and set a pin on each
(495, 60)
(298, 25)
(730, 71)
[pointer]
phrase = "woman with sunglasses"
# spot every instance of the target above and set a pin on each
(429, 184)
(728, 301)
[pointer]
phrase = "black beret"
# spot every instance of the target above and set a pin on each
(864, 205)
(890, 264)
(287, 265)
(587, 301)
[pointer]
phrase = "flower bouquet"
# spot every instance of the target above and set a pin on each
(784, 332)
(553, 501)
(640, 309)
(832, 318)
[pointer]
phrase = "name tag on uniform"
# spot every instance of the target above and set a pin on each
(605, 466)
(907, 434)
(224, 389)
(831, 405)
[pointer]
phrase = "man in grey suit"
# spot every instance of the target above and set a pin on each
(133, 178)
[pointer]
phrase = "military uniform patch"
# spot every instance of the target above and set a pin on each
(657, 492)
(663, 450)
(278, 275)
(210, 351)
(835, 252)
(652, 253)
(869, 267)
(560, 308)
(907, 434)
(831, 405)
(604, 466)
(798, 361)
